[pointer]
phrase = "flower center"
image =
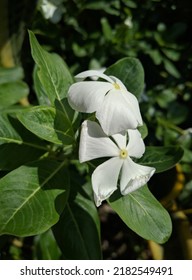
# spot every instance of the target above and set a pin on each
(123, 153)
(116, 86)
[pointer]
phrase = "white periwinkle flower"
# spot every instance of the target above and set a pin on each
(94, 143)
(116, 108)
(51, 10)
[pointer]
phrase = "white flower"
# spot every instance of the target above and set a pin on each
(94, 143)
(116, 108)
(51, 10)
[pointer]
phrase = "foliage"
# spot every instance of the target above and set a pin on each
(44, 191)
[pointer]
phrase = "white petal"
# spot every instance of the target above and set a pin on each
(115, 115)
(88, 96)
(134, 106)
(136, 146)
(92, 73)
(130, 99)
(94, 143)
(121, 139)
(134, 176)
(101, 70)
(104, 179)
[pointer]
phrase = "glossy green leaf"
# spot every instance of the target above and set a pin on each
(11, 93)
(45, 247)
(130, 72)
(78, 232)
(162, 158)
(12, 109)
(62, 105)
(39, 90)
(7, 132)
(13, 74)
(48, 123)
(17, 144)
(14, 155)
(142, 213)
(32, 197)
(71, 115)
(52, 71)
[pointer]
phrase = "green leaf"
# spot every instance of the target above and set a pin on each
(32, 197)
(141, 212)
(17, 144)
(11, 110)
(78, 50)
(143, 130)
(47, 123)
(162, 158)
(130, 3)
(171, 54)
(177, 113)
(78, 231)
(62, 105)
(103, 6)
(52, 71)
(165, 98)
(7, 133)
(13, 74)
(11, 93)
(40, 92)
(13, 155)
(171, 69)
(130, 72)
(46, 247)
(155, 56)
(107, 31)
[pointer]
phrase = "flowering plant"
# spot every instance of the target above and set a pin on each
(56, 182)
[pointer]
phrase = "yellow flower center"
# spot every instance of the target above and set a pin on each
(116, 86)
(123, 153)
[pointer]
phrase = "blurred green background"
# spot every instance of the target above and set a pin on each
(93, 35)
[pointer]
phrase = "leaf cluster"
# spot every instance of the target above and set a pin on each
(44, 190)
